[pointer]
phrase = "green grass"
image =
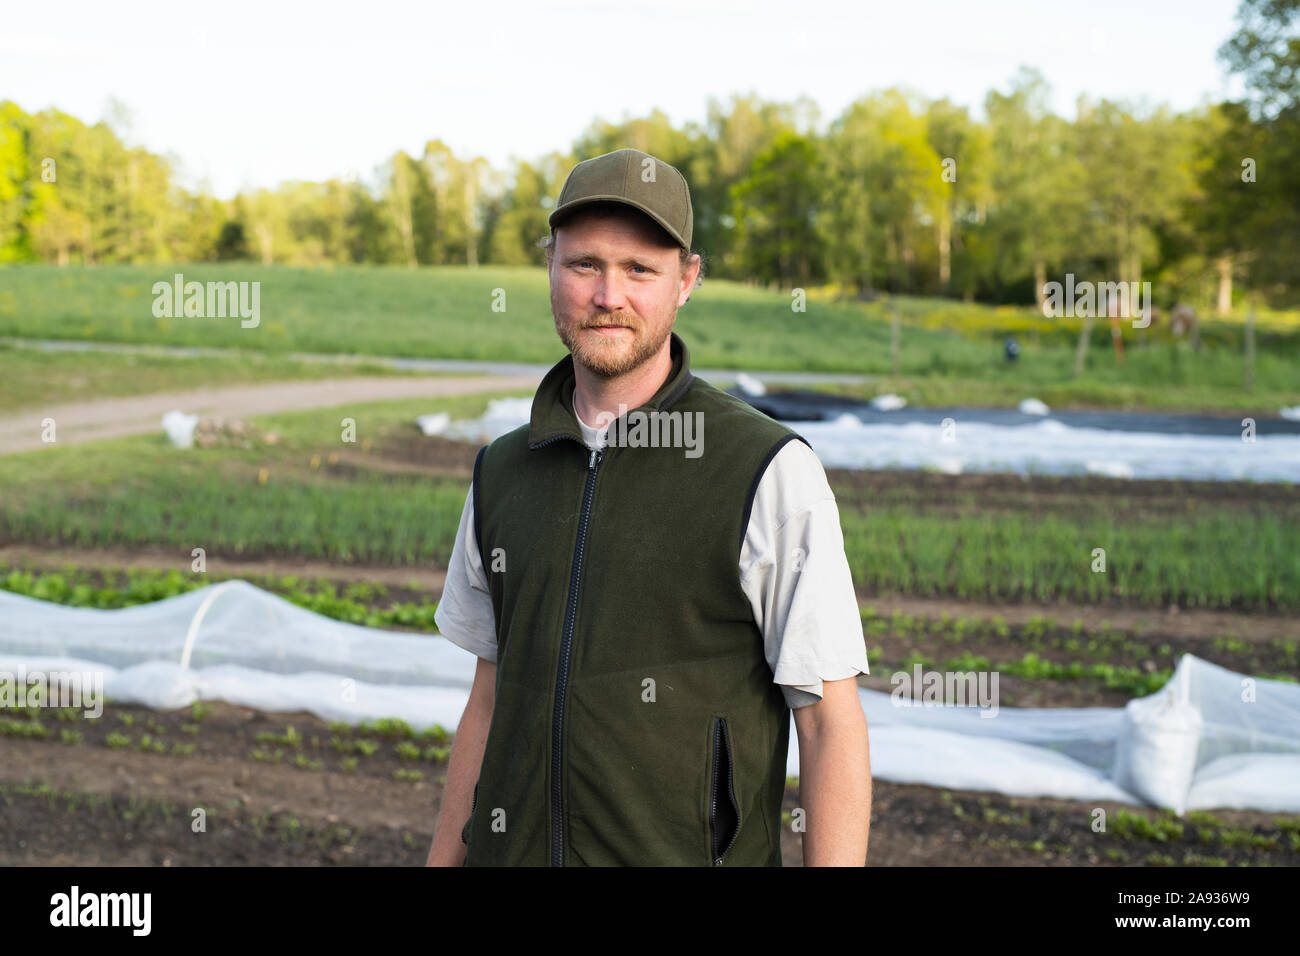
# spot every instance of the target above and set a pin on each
(1132, 680)
(446, 312)
(1239, 559)
(441, 312)
(380, 519)
(95, 464)
(359, 603)
(30, 377)
(141, 491)
(1048, 381)
(305, 430)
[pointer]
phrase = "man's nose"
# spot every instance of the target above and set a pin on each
(610, 292)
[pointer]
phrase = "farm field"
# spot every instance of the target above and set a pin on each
(292, 789)
(953, 572)
(362, 532)
(394, 497)
(282, 789)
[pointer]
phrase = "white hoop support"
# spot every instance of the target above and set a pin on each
(198, 619)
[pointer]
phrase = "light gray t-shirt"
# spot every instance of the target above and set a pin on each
(792, 568)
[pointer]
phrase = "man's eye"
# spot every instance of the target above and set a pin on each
(639, 267)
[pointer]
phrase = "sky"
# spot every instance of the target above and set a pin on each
(243, 95)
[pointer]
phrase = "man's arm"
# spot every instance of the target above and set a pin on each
(463, 768)
(834, 776)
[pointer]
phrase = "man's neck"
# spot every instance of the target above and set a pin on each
(594, 394)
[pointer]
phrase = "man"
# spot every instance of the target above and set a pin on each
(652, 574)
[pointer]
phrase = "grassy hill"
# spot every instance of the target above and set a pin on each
(948, 350)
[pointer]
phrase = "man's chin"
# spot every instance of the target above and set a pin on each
(609, 355)
(606, 363)
(602, 353)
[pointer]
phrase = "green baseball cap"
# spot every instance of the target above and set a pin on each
(635, 179)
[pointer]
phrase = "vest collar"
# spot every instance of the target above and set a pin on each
(553, 416)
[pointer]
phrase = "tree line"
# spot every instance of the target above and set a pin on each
(897, 194)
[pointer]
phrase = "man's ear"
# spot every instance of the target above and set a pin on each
(692, 265)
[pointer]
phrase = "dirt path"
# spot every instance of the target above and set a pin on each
(115, 417)
(429, 579)
(1171, 622)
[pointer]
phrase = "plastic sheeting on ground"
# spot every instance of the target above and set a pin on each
(969, 445)
(234, 642)
(1210, 738)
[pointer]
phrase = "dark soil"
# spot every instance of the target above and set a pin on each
(85, 803)
(296, 801)
(1063, 496)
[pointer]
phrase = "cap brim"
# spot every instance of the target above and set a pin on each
(559, 214)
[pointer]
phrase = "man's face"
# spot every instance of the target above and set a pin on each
(615, 288)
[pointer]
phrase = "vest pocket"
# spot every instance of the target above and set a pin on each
(724, 814)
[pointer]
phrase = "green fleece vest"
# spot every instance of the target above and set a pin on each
(636, 722)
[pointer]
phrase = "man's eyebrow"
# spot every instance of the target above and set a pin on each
(627, 260)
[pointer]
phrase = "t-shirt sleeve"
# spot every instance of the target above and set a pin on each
(464, 614)
(794, 570)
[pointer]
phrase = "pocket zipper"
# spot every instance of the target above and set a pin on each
(719, 741)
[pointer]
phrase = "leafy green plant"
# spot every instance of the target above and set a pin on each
(1133, 826)
(290, 738)
(359, 746)
(407, 751)
(388, 727)
(437, 734)
(21, 728)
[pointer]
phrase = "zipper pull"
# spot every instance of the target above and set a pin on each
(597, 454)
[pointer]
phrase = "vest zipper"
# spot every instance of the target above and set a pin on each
(719, 741)
(566, 647)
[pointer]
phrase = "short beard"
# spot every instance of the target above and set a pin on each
(602, 362)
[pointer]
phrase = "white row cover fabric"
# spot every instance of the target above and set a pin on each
(1043, 447)
(1209, 739)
